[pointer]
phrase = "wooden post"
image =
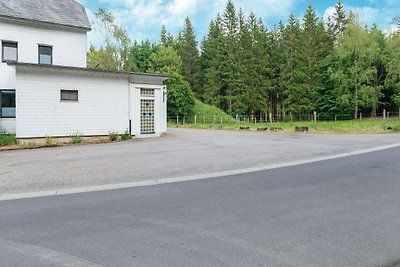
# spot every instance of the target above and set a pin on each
(335, 117)
(177, 120)
(388, 115)
(195, 120)
(360, 115)
(315, 120)
(270, 118)
(184, 119)
(384, 119)
(214, 120)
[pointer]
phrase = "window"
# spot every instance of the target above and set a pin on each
(7, 104)
(45, 54)
(69, 95)
(10, 51)
(147, 92)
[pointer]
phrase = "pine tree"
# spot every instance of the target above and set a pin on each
(188, 51)
(297, 98)
(210, 61)
(340, 20)
(353, 71)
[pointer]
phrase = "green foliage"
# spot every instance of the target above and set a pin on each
(186, 46)
(76, 138)
(335, 66)
(114, 55)
(113, 136)
(7, 139)
(126, 135)
(180, 96)
(49, 141)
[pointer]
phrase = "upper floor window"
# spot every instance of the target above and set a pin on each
(45, 54)
(7, 104)
(10, 51)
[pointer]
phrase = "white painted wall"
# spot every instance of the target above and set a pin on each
(160, 109)
(69, 49)
(7, 125)
(103, 105)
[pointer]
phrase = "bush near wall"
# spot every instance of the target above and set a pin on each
(7, 139)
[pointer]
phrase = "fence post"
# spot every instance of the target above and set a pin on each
(177, 120)
(195, 119)
(388, 115)
(315, 120)
(184, 118)
(214, 120)
(384, 119)
(360, 115)
(335, 117)
(204, 120)
(270, 118)
(222, 120)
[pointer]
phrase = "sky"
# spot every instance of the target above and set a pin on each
(144, 18)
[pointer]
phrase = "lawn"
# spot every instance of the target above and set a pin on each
(343, 127)
(7, 139)
(209, 117)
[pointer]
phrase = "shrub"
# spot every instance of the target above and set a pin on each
(76, 138)
(49, 141)
(7, 139)
(113, 136)
(126, 135)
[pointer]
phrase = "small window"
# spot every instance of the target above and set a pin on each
(45, 55)
(7, 104)
(69, 95)
(10, 51)
(147, 92)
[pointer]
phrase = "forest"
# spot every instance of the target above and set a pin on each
(336, 67)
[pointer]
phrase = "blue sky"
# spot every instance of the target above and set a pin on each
(143, 18)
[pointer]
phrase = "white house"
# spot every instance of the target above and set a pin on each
(46, 89)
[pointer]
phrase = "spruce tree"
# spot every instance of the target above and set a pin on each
(188, 51)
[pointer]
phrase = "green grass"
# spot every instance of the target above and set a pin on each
(340, 127)
(7, 139)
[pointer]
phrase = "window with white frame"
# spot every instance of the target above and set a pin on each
(7, 104)
(69, 95)
(45, 54)
(9, 51)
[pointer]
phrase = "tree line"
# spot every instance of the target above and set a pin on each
(336, 67)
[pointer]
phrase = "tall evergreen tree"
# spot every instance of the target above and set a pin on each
(210, 61)
(297, 98)
(353, 72)
(188, 51)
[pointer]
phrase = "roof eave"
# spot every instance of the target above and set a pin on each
(45, 23)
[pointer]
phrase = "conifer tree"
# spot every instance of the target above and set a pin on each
(188, 51)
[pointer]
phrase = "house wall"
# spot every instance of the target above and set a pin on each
(69, 49)
(103, 105)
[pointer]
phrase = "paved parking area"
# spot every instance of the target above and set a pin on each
(183, 152)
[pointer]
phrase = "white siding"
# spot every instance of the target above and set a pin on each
(7, 125)
(69, 47)
(103, 105)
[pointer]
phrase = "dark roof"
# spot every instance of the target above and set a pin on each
(137, 77)
(57, 12)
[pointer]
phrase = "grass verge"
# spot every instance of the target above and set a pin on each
(7, 139)
(368, 126)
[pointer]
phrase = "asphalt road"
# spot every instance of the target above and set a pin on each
(183, 152)
(342, 212)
